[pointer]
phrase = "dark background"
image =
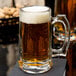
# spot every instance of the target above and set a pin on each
(50, 3)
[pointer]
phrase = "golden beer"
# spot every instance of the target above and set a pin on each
(35, 33)
(35, 38)
(35, 41)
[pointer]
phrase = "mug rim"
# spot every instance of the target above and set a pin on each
(22, 9)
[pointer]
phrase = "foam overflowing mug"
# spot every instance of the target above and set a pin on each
(35, 32)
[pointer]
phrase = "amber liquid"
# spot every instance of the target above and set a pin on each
(35, 42)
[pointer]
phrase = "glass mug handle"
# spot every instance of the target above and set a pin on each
(66, 38)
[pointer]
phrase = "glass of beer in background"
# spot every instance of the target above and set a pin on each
(35, 33)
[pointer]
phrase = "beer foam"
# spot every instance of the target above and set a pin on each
(35, 15)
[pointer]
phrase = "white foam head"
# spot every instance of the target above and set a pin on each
(35, 14)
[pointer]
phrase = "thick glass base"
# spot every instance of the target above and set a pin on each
(36, 67)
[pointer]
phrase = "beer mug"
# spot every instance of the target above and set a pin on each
(35, 39)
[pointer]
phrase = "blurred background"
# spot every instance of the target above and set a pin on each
(9, 30)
